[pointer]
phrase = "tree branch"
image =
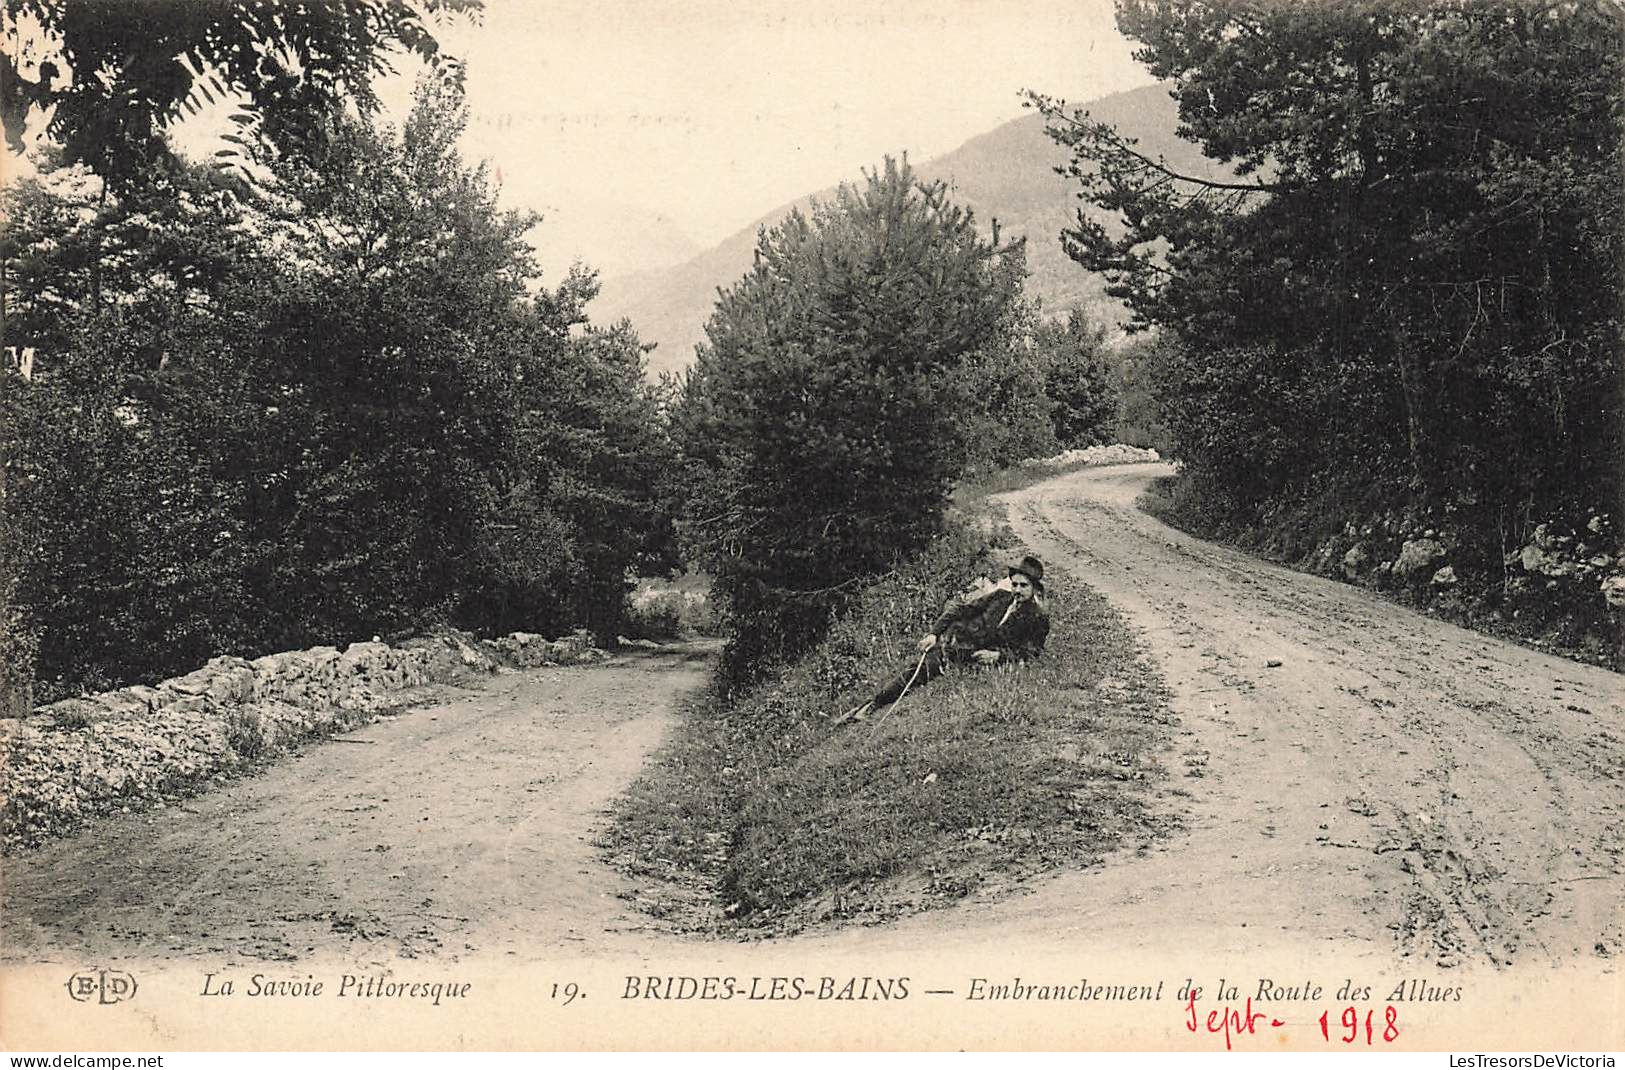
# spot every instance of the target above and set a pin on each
(1117, 142)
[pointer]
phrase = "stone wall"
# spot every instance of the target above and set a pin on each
(76, 759)
(1094, 456)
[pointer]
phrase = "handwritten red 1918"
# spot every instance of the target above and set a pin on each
(1352, 1024)
(1235, 1023)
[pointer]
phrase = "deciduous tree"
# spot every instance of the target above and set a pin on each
(109, 77)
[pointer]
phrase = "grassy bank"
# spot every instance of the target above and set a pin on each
(762, 818)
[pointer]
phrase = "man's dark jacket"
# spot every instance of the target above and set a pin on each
(975, 625)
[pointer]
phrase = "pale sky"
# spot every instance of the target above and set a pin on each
(606, 117)
(647, 129)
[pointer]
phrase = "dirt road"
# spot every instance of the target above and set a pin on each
(460, 829)
(1361, 776)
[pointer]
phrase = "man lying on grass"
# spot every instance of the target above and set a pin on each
(1000, 627)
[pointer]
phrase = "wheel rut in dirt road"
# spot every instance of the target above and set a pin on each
(1358, 772)
(454, 829)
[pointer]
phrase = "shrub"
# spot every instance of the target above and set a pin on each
(659, 616)
(245, 731)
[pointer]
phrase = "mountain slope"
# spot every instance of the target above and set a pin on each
(615, 239)
(1006, 174)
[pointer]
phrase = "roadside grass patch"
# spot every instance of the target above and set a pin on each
(762, 818)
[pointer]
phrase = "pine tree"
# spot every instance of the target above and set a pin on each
(822, 424)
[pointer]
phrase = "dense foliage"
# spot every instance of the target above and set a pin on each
(1135, 366)
(877, 349)
(107, 78)
(1078, 380)
(1398, 315)
(342, 409)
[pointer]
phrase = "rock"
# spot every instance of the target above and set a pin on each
(471, 657)
(361, 657)
(533, 653)
(273, 665)
(120, 705)
(196, 682)
(1355, 561)
(1445, 576)
(1416, 555)
(1613, 591)
(432, 658)
(1538, 560)
(360, 697)
(232, 684)
(1116, 453)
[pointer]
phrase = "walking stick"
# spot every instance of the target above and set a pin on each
(903, 694)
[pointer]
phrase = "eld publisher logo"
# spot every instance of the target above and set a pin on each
(101, 986)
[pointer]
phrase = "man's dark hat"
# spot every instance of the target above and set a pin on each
(1032, 568)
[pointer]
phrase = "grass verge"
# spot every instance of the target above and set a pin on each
(762, 819)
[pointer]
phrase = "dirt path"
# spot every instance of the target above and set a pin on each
(1361, 776)
(460, 829)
